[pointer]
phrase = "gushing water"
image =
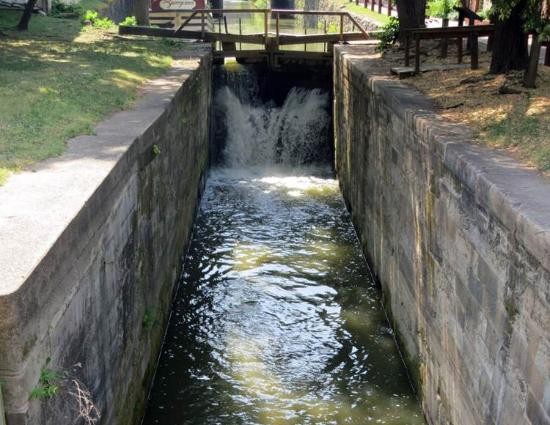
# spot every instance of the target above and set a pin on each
(292, 134)
(277, 320)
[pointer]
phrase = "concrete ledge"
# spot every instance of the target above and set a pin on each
(91, 242)
(459, 236)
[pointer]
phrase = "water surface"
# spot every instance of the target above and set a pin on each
(277, 320)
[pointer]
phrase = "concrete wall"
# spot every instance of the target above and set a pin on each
(90, 250)
(459, 237)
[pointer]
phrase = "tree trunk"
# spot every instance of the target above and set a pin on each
(26, 17)
(530, 78)
(510, 42)
(411, 14)
(141, 10)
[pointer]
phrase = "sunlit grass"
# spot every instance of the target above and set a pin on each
(518, 123)
(360, 9)
(59, 79)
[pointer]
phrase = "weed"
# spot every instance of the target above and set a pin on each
(156, 150)
(97, 21)
(47, 384)
(129, 21)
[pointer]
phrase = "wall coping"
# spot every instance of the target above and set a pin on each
(38, 205)
(518, 196)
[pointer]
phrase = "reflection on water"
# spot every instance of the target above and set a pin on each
(277, 320)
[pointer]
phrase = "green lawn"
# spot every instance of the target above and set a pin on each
(59, 79)
(359, 9)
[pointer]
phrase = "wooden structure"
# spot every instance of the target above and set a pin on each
(174, 18)
(270, 44)
(377, 5)
(471, 32)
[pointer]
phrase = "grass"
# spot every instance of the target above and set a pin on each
(59, 79)
(518, 123)
(359, 9)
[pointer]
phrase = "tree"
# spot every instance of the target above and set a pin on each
(412, 14)
(510, 17)
(539, 24)
(26, 17)
(141, 11)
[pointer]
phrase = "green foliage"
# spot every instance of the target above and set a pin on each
(532, 16)
(97, 21)
(389, 34)
(129, 21)
(60, 9)
(47, 384)
(156, 150)
(441, 8)
(261, 4)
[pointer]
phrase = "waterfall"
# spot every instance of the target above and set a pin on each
(265, 134)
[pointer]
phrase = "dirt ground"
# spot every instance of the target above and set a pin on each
(502, 113)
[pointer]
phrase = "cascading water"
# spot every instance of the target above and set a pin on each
(293, 134)
(277, 320)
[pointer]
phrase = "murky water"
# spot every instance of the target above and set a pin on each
(277, 320)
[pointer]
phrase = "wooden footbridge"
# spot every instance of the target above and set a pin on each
(268, 46)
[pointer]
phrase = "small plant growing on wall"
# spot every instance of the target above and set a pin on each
(47, 386)
(69, 391)
(149, 319)
(156, 150)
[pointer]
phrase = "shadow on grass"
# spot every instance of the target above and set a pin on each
(523, 129)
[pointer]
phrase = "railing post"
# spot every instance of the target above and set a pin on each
(380, 6)
(417, 54)
(277, 27)
(240, 33)
(266, 17)
(474, 52)
(389, 7)
(407, 49)
(202, 25)
(372, 5)
(342, 28)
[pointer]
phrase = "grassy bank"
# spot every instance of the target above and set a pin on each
(59, 79)
(360, 9)
(503, 114)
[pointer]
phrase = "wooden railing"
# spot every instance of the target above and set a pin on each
(472, 32)
(277, 13)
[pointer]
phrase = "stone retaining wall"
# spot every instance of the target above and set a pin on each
(459, 238)
(91, 245)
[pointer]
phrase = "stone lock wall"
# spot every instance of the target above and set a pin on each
(459, 238)
(91, 247)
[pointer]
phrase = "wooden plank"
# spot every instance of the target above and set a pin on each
(452, 32)
(198, 35)
(289, 39)
(240, 54)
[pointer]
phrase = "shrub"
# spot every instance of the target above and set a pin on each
(129, 21)
(441, 8)
(97, 21)
(389, 33)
